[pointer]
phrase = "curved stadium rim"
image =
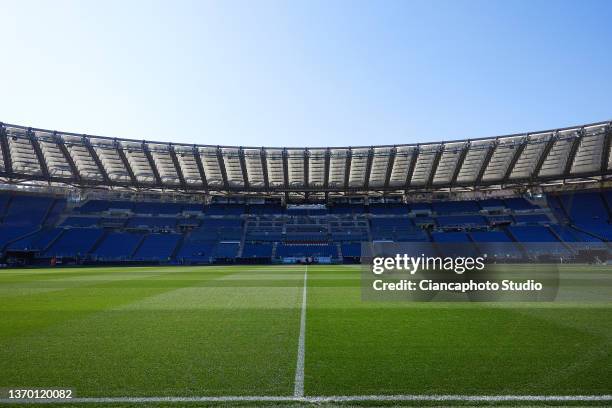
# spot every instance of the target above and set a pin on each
(513, 135)
(576, 152)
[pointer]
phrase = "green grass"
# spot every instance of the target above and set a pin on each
(214, 331)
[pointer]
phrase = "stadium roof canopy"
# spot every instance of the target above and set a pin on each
(581, 152)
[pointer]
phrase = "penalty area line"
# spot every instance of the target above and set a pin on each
(322, 399)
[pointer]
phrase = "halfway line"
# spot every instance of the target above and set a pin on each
(298, 390)
(321, 399)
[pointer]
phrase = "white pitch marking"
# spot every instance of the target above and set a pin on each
(319, 399)
(298, 390)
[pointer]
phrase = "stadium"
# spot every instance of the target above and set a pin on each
(152, 272)
(78, 199)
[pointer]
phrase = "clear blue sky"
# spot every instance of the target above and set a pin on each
(305, 73)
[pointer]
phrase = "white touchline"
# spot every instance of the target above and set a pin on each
(298, 390)
(319, 399)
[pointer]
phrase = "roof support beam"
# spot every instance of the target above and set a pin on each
(285, 159)
(264, 167)
(286, 172)
(306, 171)
(517, 154)
(605, 154)
(8, 163)
(198, 160)
(92, 152)
(73, 169)
(177, 167)
(368, 169)
(245, 175)
(306, 167)
(572, 153)
(390, 165)
(326, 168)
(347, 168)
(434, 165)
(460, 161)
(149, 156)
(413, 159)
(222, 168)
(485, 162)
(547, 148)
(126, 163)
(39, 154)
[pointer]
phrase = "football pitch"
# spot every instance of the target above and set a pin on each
(289, 335)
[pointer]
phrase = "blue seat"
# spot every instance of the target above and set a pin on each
(499, 219)
(77, 221)
(348, 209)
(57, 208)
(226, 250)
(36, 242)
(584, 207)
(450, 237)
(117, 246)
(157, 247)
(297, 251)
(93, 206)
(196, 252)
(549, 244)
(252, 250)
(496, 244)
(455, 207)
(389, 209)
(519, 204)
(74, 242)
(454, 244)
(532, 234)
(420, 207)
(492, 204)
(225, 209)
(532, 219)
(156, 208)
(4, 201)
(152, 223)
(461, 221)
(400, 229)
(11, 233)
(268, 209)
(351, 250)
(600, 229)
(27, 210)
